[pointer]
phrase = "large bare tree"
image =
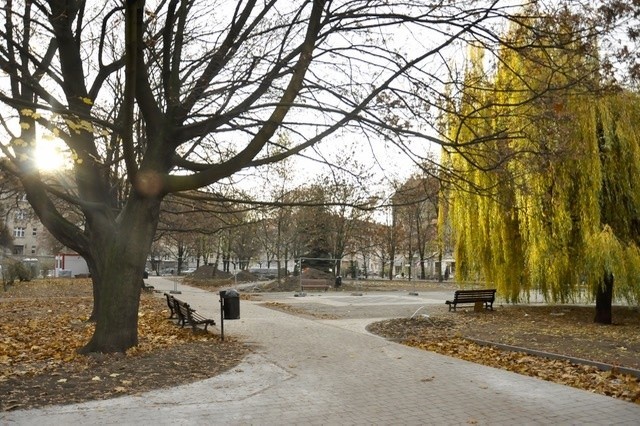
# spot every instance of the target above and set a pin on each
(158, 97)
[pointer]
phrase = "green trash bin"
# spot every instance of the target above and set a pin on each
(230, 304)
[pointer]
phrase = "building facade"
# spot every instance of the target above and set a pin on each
(25, 228)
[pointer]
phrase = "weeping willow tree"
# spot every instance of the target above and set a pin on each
(612, 254)
(483, 213)
(552, 203)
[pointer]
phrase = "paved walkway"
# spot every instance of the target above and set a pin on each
(332, 372)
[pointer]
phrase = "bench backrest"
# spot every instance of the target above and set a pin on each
(189, 311)
(182, 309)
(461, 295)
(170, 302)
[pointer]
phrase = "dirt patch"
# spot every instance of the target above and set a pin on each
(566, 330)
(210, 272)
(43, 323)
(300, 311)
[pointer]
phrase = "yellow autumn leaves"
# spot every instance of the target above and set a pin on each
(40, 334)
(586, 377)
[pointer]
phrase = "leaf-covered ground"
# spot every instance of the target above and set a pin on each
(43, 323)
(560, 330)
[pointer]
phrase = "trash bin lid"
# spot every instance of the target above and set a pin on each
(231, 293)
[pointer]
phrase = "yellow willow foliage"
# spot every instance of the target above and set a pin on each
(481, 241)
(550, 237)
(630, 289)
(443, 225)
(465, 126)
(463, 212)
(552, 207)
(576, 170)
(605, 254)
(620, 156)
(619, 198)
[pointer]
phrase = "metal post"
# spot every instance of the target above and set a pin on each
(222, 316)
(175, 286)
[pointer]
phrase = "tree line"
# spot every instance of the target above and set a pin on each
(323, 220)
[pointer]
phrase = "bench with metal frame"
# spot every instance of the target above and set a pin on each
(186, 314)
(485, 296)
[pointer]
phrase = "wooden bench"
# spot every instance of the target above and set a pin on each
(486, 296)
(186, 314)
(314, 285)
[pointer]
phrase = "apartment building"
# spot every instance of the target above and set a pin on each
(25, 228)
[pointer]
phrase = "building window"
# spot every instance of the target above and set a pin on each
(18, 249)
(18, 232)
(33, 249)
(35, 231)
(21, 215)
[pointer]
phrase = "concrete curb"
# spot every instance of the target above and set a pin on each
(600, 365)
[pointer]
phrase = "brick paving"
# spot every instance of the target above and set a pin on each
(323, 372)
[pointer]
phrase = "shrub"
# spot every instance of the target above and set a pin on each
(15, 270)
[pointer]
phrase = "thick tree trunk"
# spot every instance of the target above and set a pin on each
(117, 317)
(604, 300)
(120, 256)
(95, 277)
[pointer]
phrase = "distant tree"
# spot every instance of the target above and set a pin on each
(313, 229)
(348, 202)
(278, 231)
(6, 237)
(416, 203)
(244, 242)
(48, 242)
(379, 248)
(392, 237)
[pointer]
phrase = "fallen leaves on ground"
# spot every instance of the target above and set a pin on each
(43, 324)
(445, 335)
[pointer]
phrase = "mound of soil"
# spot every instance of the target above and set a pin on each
(292, 283)
(209, 271)
(246, 277)
(288, 284)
